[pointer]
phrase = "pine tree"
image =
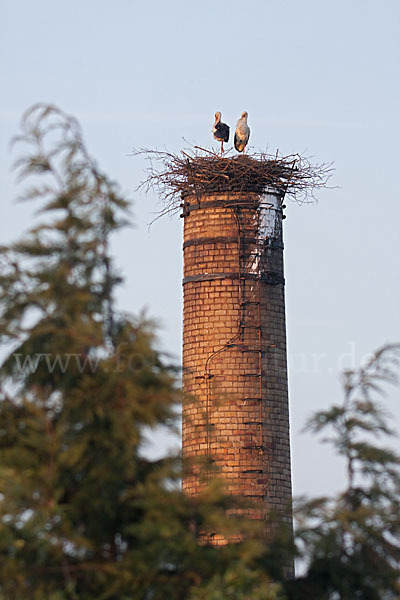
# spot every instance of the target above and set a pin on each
(351, 542)
(83, 513)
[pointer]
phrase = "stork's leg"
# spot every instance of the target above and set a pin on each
(222, 148)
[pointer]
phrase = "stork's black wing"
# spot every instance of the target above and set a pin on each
(222, 132)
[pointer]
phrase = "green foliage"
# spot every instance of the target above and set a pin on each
(351, 543)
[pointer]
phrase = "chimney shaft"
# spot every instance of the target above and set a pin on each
(235, 411)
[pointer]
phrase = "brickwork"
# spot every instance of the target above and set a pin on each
(235, 411)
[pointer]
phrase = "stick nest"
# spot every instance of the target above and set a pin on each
(202, 172)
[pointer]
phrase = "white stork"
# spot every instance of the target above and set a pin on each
(220, 131)
(242, 133)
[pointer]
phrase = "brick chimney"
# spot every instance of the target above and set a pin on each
(235, 410)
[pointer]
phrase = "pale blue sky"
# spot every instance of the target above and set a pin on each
(314, 76)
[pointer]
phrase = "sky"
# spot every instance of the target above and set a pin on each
(315, 77)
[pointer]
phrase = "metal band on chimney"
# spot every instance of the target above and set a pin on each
(269, 277)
